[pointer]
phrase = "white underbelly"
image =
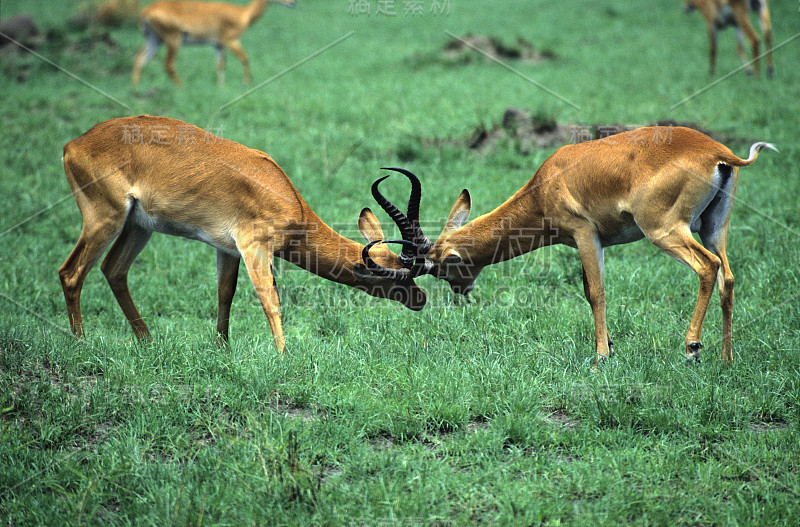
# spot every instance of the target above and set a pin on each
(184, 230)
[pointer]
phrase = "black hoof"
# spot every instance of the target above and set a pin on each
(693, 352)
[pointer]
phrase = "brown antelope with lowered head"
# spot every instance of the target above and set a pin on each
(217, 23)
(719, 14)
(133, 176)
(658, 183)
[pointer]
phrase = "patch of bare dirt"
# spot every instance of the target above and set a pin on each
(716, 136)
(88, 41)
(470, 47)
(560, 419)
(90, 440)
(20, 28)
(70, 38)
(328, 472)
(291, 410)
(383, 442)
(17, 64)
(478, 425)
(30, 378)
(762, 427)
(108, 13)
(526, 132)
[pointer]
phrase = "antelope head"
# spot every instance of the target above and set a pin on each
(420, 256)
(385, 274)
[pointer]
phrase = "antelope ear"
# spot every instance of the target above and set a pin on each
(451, 257)
(459, 213)
(369, 226)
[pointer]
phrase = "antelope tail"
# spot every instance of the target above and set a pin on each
(754, 150)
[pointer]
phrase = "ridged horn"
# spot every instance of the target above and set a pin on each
(411, 271)
(408, 224)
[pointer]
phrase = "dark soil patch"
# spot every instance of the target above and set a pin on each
(21, 28)
(560, 419)
(66, 39)
(90, 437)
(525, 132)
(108, 13)
(723, 138)
(472, 47)
(57, 43)
(762, 427)
(84, 42)
(293, 411)
(383, 442)
(477, 426)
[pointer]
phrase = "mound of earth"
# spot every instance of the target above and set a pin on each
(527, 132)
(466, 48)
(106, 13)
(21, 28)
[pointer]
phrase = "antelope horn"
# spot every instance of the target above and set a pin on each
(406, 229)
(411, 271)
(416, 193)
(409, 252)
(409, 225)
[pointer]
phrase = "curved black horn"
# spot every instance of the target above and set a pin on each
(406, 229)
(412, 271)
(379, 270)
(416, 193)
(410, 227)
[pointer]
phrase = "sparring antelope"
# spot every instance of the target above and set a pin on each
(133, 176)
(217, 23)
(658, 183)
(720, 14)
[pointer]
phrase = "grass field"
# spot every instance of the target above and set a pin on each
(481, 412)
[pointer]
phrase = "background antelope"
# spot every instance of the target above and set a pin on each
(659, 183)
(720, 14)
(219, 24)
(133, 176)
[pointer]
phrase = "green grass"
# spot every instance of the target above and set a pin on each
(481, 412)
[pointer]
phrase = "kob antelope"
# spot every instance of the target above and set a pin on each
(217, 23)
(133, 176)
(659, 183)
(720, 14)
